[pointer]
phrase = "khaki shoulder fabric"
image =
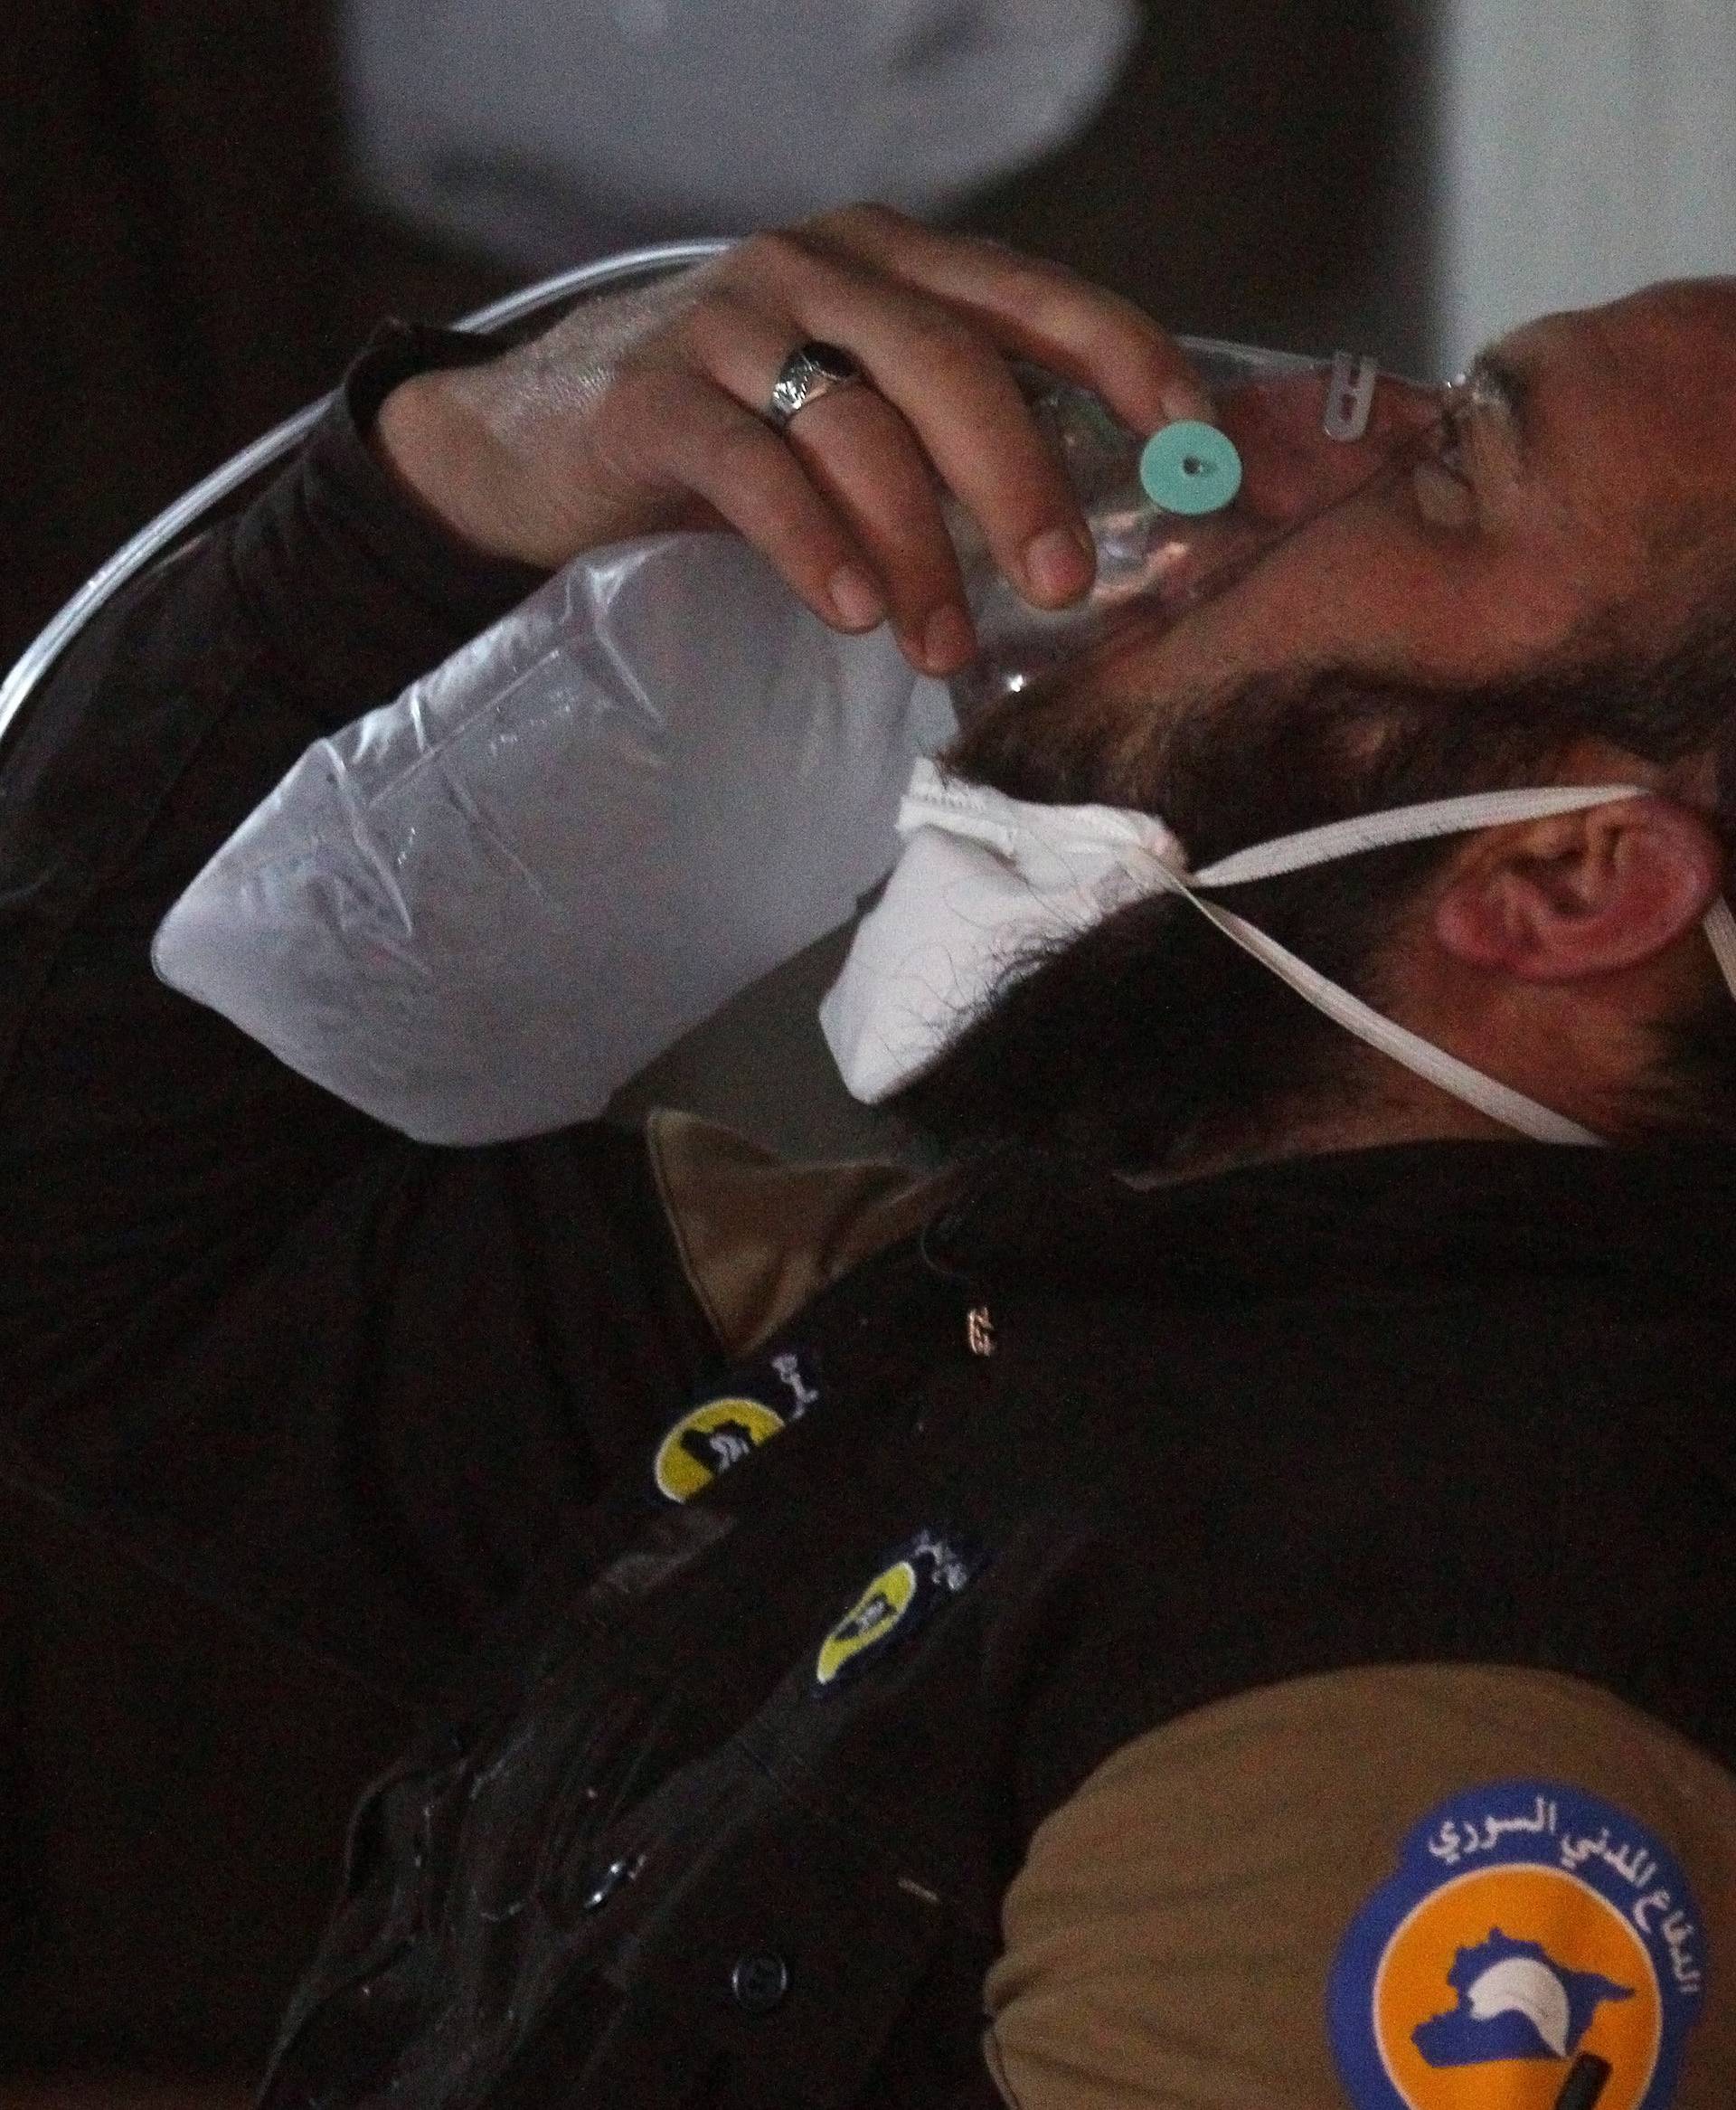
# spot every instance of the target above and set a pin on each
(758, 1238)
(1170, 1939)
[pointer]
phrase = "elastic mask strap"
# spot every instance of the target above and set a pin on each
(1720, 927)
(1499, 1101)
(1406, 824)
(1441, 817)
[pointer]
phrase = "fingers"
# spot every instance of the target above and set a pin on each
(933, 318)
(865, 460)
(696, 439)
(942, 400)
(1035, 308)
(959, 403)
(865, 463)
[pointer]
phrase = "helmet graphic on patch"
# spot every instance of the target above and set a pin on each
(1538, 1948)
(707, 1441)
(913, 1582)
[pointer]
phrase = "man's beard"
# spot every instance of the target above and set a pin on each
(1152, 1044)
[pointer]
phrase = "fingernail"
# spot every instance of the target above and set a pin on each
(857, 599)
(1060, 565)
(948, 641)
(1187, 399)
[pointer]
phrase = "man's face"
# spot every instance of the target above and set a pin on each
(1539, 508)
(1538, 568)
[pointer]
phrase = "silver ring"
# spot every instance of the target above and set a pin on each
(811, 371)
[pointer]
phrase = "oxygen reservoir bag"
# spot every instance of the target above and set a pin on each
(478, 911)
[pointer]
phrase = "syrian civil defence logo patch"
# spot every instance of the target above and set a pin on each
(913, 1583)
(1537, 1948)
(707, 1441)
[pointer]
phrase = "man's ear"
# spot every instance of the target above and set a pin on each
(1582, 894)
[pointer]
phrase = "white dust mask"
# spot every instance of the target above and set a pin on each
(986, 884)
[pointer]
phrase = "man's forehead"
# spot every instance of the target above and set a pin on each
(1679, 333)
(1709, 302)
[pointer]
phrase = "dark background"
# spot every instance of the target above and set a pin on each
(184, 266)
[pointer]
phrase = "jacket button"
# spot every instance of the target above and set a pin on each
(611, 1882)
(758, 1984)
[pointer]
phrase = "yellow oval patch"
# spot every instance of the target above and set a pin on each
(708, 1441)
(868, 1621)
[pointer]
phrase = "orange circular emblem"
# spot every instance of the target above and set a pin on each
(1571, 1980)
(1536, 1947)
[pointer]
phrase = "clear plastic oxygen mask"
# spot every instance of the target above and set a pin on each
(1181, 517)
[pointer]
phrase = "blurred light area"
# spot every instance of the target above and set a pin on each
(543, 131)
(1585, 149)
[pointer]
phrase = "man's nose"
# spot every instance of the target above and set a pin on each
(1291, 466)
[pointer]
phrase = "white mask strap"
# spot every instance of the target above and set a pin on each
(1406, 824)
(1319, 845)
(1720, 927)
(1061, 868)
(1487, 1093)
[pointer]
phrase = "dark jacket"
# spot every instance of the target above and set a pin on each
(1444, 1404)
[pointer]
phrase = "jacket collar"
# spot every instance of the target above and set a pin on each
(1637, 1224)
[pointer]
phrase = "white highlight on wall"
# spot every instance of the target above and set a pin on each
(541, 128)
(1587, 147)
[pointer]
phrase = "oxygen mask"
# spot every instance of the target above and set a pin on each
(1181, 517)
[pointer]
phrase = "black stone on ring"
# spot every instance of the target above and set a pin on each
(810, 370)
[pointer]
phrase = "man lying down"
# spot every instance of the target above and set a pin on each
(1220, 1596)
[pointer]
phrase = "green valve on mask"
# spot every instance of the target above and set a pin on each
(1190, 467)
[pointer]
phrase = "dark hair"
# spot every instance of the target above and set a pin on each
(1152, 1039)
